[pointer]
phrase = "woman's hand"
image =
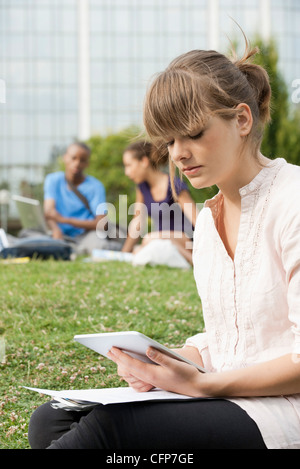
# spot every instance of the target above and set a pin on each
(280, 376)
(133, 381)
(124, 370)
(168, 373)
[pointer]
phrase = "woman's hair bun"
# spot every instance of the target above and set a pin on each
(258, 79)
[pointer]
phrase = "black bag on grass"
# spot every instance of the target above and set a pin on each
(38, 248)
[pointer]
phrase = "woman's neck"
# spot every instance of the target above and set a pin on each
(154, 177)
(244, 174)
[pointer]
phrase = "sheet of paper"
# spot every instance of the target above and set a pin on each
(110, 395)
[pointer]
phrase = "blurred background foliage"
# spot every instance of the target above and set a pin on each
(282, 136)
(106, 164)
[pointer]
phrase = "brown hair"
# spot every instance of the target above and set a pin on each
(200, 84)
(141, 149)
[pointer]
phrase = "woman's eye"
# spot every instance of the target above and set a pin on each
(199, 135)
(192, 137)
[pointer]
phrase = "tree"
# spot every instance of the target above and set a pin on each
(282, 135)
(106, 164)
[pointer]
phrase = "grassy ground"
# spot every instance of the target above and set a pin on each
(44, 304)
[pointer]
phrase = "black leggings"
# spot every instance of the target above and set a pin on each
(194, 424)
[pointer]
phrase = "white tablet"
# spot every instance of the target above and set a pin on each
(132, 342)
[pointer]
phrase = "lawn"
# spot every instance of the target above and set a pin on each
(45, 303)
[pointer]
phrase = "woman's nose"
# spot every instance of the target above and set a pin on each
(179, 151)
(128, 173)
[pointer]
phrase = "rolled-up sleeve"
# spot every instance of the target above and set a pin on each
(199, 341)
(50, 187)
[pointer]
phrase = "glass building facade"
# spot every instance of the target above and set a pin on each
(73, 68)
(38, 61)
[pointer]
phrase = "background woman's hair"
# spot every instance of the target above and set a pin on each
(200, 84)
(143, 148)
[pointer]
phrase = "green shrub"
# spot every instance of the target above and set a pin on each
(107, 165)
(282, 136)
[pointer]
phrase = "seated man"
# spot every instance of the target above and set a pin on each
(73, 201)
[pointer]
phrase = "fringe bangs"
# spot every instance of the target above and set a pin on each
(174, 105)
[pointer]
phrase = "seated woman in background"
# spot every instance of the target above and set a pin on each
(173, 219)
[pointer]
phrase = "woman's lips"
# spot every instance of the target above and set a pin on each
(191, 170)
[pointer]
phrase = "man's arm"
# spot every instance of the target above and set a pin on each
(49, 212)
(53, 217)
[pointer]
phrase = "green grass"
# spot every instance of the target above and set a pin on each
(44, 304)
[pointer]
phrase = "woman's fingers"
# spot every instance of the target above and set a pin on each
(129, 368)
(160, 358)
(165, 372)
(122, 359)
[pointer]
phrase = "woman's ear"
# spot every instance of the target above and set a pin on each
(146, 162)
(244, 119)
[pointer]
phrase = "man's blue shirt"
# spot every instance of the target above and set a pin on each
(68, 204)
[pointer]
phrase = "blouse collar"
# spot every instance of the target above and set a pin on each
(261, 178)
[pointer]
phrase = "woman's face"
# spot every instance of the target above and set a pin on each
(135, 169)
(211, 156)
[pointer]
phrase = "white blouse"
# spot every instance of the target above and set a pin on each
(251, 305)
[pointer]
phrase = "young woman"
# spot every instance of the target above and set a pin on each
(172, 219)
(208, 112)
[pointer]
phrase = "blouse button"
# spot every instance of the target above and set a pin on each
(243, 192)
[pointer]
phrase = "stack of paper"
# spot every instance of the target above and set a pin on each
(82, 399)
